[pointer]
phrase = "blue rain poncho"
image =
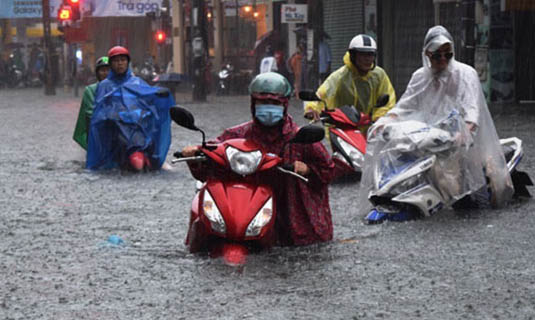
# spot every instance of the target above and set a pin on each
(129, 116)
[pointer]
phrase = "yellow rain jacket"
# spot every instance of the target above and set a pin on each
(346, 86)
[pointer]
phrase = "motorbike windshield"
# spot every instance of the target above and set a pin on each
(129, 116)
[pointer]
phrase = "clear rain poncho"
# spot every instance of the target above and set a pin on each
(431, 98)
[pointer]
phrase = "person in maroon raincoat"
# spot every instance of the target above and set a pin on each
(304, 214)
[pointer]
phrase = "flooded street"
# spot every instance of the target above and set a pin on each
(56, 262)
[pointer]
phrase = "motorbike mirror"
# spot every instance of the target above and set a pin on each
(308, 134)
(308, 95)
(183, 118)
(382, 100)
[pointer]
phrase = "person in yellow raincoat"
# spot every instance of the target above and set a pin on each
(360, 82)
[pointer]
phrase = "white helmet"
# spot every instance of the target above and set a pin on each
(363, 43)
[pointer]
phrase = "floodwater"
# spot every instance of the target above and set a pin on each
(56, 262)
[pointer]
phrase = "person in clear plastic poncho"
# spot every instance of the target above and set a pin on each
(440, 88)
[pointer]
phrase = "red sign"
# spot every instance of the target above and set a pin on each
(75, 35)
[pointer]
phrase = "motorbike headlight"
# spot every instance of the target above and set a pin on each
(408, 184)
(357, 158)
(212, 213)
(243, 163)
(260, 220)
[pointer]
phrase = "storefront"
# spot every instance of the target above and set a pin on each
(523, 15)
(343, 19)
(500, 51)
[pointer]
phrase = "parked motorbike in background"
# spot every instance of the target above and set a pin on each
(34, 79)
(234, 212)
(148, 72)
(404, 185)
(348, 143)
(224, 78)
(14, 76)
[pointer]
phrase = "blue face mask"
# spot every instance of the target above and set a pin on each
(269, 114)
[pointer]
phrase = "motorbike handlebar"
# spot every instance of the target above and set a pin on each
(199, 156)
(289, 169)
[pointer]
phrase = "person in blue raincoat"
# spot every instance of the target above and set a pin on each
(130, 127)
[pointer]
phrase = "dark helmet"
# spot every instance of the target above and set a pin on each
(102, 62)
(118, 51)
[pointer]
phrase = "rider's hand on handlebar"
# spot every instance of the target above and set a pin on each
(312, 115)
(190, 151)
(301, 168)
(379, 125)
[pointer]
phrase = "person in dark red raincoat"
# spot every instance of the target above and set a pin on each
(304, 214)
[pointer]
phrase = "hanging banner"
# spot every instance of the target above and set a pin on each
(294, 13)
(120, 8)
(13, 9)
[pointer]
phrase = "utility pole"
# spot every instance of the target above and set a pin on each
(50, 90)
(218, 34)
(315, 9)
(178, 36)
(200, 54)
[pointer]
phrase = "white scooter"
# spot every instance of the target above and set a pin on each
(404, 188)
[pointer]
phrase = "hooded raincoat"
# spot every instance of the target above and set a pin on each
(431, 97)
(346, 86)
(304, 214)
(84, 115)
(129, 116)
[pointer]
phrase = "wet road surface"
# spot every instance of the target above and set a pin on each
(55, 262)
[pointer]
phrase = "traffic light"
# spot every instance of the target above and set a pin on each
(75, 8)
(160, 36)
(64, 13)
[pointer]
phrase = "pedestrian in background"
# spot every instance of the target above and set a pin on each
(295, 66)
(268, 63)
(281, 63)
(325, 58)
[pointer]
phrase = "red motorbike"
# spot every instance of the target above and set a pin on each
(348, 143)
(234, 210)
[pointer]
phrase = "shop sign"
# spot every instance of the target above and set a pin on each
(120, 8)
(12, 9)
(294, 13)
